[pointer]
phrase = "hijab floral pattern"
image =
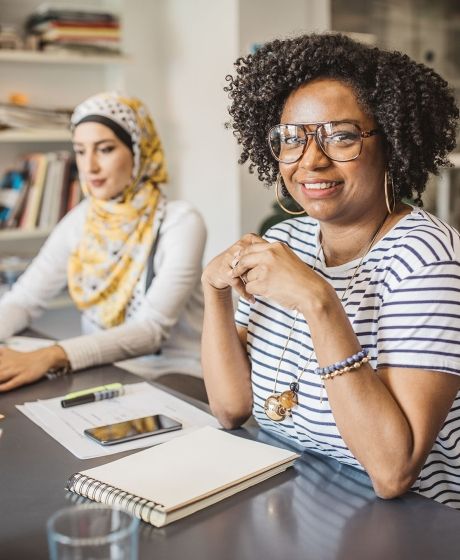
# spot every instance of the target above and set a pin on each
(118, 233)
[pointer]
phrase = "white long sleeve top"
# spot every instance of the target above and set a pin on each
(163, 324)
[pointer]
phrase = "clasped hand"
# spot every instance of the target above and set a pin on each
(255, 267)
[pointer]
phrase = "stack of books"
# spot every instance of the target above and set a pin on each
(37, 194)
(84, 31)
(9, 37)
(23, 116)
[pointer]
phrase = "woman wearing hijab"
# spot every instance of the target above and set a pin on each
(130, 258)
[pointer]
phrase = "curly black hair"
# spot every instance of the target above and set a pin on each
(413, 106)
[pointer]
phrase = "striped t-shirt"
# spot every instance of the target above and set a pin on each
(404, 305)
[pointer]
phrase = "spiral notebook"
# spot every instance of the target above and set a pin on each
(172, 480)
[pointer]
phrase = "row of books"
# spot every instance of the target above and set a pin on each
(39, 191)
(78, 30)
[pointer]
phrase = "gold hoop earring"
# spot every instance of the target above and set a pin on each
(390, 208)
(278, 200)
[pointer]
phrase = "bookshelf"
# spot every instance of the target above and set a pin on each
(49, 79)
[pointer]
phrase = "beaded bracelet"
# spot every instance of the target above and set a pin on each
(353, 362)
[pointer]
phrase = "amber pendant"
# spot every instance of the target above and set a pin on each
(288, 399)
(273, 408)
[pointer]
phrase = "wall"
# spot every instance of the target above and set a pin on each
(182, 51)
(259, 22)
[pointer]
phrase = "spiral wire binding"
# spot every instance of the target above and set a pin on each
(88, 487)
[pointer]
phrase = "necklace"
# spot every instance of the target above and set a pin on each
(278, 406)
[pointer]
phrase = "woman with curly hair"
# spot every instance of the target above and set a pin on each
(345, 340)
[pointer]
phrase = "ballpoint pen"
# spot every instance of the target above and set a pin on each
(92, 395)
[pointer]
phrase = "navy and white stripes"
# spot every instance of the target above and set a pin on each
(404, 305)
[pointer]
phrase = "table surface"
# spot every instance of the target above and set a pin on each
(318, 510)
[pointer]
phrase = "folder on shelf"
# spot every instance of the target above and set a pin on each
(38, 164)
(44, 219)
(13, 188)
(55, 189)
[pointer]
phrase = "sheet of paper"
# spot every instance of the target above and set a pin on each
(66, 425)
(27, 343)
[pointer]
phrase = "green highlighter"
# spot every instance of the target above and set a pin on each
(92, 395)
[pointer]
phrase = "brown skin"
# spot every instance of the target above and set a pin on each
(381, 415)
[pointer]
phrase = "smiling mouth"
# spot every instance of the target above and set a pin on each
(321, 186)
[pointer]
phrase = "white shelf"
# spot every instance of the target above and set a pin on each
(60, 57)
(15, 234)
(34, 135)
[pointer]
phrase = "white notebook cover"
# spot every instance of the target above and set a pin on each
(194, 470)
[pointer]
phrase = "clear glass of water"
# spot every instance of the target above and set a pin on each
(93, 532)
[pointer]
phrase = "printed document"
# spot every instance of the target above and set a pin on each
(66, 425)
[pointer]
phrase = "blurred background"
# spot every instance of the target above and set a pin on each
(174, 55)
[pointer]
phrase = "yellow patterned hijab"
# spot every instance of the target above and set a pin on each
(118, 233)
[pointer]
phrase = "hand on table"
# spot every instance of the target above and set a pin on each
(22, 368)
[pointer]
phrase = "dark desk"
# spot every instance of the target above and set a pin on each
(318, 510)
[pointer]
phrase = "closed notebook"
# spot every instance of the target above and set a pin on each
(169, 481)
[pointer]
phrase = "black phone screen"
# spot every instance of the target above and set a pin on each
(133, 429)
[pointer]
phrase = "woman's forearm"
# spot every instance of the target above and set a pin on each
(225, 362)
(127, 340)
(368, 417)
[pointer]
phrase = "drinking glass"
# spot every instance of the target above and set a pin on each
(92, 532)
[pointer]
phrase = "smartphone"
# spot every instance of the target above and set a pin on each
(133, 429)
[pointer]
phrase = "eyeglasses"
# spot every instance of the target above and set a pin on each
(339, 141)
